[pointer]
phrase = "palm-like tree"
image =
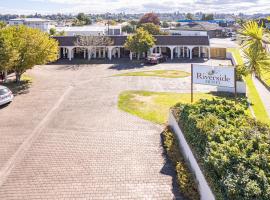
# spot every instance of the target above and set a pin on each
(254, 38)
(256, 62)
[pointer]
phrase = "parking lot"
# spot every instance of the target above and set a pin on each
(64, 137)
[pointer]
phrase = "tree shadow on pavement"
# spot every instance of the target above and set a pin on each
(18, 88)
(168, 170)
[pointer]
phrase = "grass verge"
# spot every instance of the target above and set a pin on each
(185, 179)
(256, 102)
(154, 106)
(158, 73)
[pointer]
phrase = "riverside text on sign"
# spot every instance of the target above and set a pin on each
(218, 76)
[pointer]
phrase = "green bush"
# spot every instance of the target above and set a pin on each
(232, 148)
(185, 179)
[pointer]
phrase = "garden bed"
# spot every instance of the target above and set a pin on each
(232, 149)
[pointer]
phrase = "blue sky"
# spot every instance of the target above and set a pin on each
(133, 6)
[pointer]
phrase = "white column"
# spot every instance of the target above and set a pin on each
(190, 52)
(187, 52)
(110, 53)
(69, 53)
(151, 50)
(199, 52)
(95, 52)
(99, 52)
(104, 52)
(89, 53)
(84, 53)
(159, 49)
(178, 52)
(209, 53)
(119, 55)
(130, 55)
(171, 48)
(72, 53)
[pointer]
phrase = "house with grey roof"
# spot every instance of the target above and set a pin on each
(213, 30)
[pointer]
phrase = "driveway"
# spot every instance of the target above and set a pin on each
(66, 139)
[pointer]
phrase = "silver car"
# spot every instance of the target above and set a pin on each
(6, 95)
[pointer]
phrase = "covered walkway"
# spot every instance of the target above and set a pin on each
(181, 47)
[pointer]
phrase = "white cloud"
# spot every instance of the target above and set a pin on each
(131, 6)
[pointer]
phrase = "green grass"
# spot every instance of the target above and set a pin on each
(158, 73)
(154, 106)
(256, 102)
(265, 76)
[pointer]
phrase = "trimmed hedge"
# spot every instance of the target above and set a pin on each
(185, 179)
(232, 148)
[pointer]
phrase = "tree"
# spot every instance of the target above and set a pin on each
(149, 18)
(254, 38)
(82, 19)
(140, 42)
(256, 61)
(189, 16)
(151, 28)
(207, 17)
(165, 24)
(112, 22)
(2, 24)
(29, 46)
(128, 28)
(52, 31)
(94, 41)
(8, 54)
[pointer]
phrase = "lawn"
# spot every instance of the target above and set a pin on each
(256, 102)
(154, 106)
(158, 73)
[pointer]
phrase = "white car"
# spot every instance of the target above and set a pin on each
(6, 95)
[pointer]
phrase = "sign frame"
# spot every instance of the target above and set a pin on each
(192, 83)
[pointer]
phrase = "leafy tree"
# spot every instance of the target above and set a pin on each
(189, 16)
(140, 42)
(128, 28)
(82, 19)
(150, 18)
(52, 31)
(151, 28)
(207, 17)
(112, 22)
(29, 46)
(2, 24)
(165, 24)
(8, 54)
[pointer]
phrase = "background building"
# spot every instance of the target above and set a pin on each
(42, 24)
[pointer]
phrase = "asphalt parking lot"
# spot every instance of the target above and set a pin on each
(64, 137)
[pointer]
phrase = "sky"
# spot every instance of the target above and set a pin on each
(133, 6)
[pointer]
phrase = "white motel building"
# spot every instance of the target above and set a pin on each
(180, 47)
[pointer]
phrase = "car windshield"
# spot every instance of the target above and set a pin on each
(4, 91)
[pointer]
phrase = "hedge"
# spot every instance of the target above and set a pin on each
(185, 179)
(232, 148)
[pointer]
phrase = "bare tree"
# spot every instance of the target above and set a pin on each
(93, 41)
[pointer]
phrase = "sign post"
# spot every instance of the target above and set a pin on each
(235, 86)
(191, 83)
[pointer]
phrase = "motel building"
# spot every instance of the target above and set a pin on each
(174, 46)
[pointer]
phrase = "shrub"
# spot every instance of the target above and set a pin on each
(232, 148)
(185, 179)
